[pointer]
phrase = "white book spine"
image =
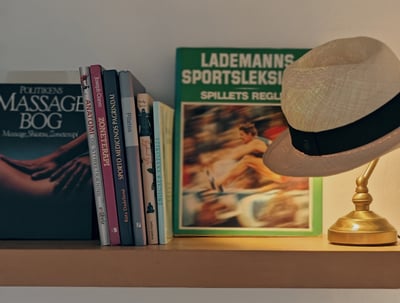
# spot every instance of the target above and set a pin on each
(163, 128)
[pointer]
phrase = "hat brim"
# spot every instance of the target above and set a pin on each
(284, 159)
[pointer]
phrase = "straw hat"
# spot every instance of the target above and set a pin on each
(342, 104)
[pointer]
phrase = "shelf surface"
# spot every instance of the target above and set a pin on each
(283, 262)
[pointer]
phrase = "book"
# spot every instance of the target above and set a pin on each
(96, 78)
(97, 177)
(118, 158)
(163, 120)
(129, 88)
(144, 104)
(45, 179)
(227, 112)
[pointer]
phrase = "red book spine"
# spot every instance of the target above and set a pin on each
(104, 148)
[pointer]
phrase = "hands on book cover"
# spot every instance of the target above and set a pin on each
(46, 189)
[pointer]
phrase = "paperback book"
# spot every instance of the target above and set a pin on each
(163, 118)
(227, 113)
(45, 178)
(144, 106)
(130, 87)
(96, 78)
(118, 157)
(94, 155)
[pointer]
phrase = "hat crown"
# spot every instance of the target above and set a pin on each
(338, 83)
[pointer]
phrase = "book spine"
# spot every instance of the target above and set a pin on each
(163, 119)
(159, 174)
(94, 156)
(128, 107)
(117, 147)
(144, 114)
(159, 161)
(105, 158)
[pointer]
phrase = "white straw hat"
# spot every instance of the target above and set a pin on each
(342, 103)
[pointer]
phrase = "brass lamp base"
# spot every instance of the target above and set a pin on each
(362, 228)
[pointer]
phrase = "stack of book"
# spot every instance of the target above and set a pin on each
(105, 137)
(130, 145)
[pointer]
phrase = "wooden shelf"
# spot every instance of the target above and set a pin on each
(201, 262)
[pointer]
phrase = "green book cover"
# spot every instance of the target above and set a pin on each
(227, 113)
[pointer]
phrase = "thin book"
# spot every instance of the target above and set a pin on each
(163, 118)
(118, 157)
(129, 88)
(97, 176)
(144, 104)
(104, 148)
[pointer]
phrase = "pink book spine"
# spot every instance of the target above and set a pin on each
(105, 157)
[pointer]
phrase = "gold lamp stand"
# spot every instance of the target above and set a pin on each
(362, 226)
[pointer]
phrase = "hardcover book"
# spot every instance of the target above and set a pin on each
(163, 118)
(227, 113)
(118, 158)
(96, 78)
(97, 177)
(144, 105)
(45, 179)
(130, 87)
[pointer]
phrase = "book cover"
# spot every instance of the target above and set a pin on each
(163, 119)
(94, 155)
(144, 104)
(96, 78)
(45, 179)
(130, 87)
(118, 158)
(227, 113)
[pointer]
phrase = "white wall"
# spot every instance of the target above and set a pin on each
(141, 35)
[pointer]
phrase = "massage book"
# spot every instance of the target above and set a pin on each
(227, 113)
(45, 179)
